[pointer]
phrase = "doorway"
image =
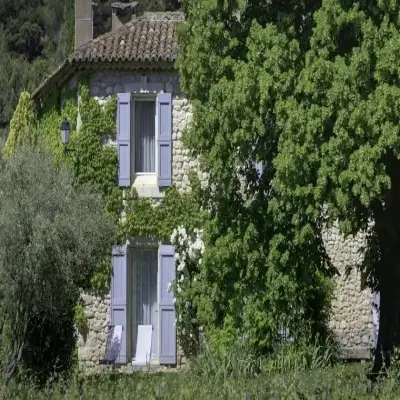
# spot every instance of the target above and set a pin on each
(145, 295)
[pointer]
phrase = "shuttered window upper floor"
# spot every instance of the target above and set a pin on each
(144, 139)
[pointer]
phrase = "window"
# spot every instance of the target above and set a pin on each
(144, 136)
(145, 295)
(144, 142)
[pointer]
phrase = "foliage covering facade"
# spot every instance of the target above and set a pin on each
(323, 117)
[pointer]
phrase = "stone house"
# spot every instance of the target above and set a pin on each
(136, 61)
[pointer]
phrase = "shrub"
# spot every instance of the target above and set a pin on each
(52, 236)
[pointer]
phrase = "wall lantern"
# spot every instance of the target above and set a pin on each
(65, 134)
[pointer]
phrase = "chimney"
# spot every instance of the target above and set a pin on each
(122, 13)
(83, 22)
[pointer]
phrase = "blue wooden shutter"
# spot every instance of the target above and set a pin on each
(124, 139)
(164, 139)
(118, 295)
(167, 308)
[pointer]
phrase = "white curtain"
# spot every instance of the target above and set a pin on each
(145, 136)
(145, 307)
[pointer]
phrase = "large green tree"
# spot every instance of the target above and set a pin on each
(35, 36)
(22, 125)
(339, 140)
(311, 89)
(262, 270)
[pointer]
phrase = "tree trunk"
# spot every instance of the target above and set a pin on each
(387, 227)
(388, 323)
(10, 367)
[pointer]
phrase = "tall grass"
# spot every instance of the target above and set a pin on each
(241, 362)
(339, 382)
(238, 362)
(300, 357)
(293, 372)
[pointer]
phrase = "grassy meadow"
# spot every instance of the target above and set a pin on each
(303, 373)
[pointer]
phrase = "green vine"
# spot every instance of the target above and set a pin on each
(51, 112)
(81, 320)
(95, 163)
(146, 218)
(91, 161)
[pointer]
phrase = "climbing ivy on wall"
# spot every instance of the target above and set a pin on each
(144, 217)
(95, 163)
(92, 162)
(50, 118)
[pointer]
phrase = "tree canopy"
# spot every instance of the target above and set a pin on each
(339, 142)
(311, 90)
(262, 271)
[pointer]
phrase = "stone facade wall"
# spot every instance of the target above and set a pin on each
(352, 315)
(352, 307)
(182, 163)
(105, 84)
(92, 344)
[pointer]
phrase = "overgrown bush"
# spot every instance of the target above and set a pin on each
(241, 361)
(191, 285)
(22, 124)
(189, 248)
(52, 236)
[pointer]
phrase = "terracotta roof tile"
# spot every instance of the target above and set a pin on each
(141, 40)
(150, 41)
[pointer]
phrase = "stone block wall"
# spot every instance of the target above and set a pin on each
(352, 307)
(92, 345)
(106, 83)
(182, 163)
(351, 318)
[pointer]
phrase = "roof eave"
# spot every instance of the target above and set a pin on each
(62, 69)
(69, 67)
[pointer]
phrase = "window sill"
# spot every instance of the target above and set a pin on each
(153, 361)
(147, 186)
(144, 179)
